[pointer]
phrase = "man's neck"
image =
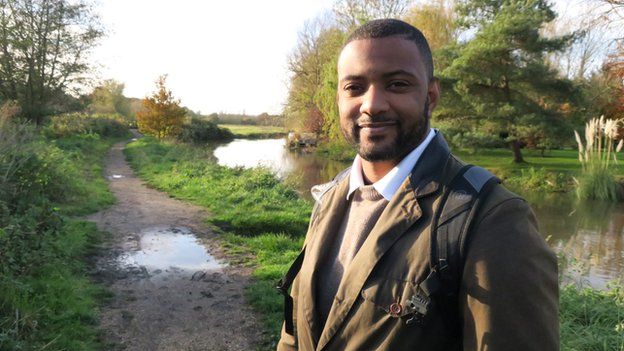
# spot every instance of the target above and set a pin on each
(374, 171)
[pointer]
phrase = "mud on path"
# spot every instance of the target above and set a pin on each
(171, 288)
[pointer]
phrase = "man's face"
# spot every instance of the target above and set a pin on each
(384, 97)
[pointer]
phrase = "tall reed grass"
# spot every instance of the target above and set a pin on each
(598, 156)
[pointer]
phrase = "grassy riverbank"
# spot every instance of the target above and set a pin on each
(263, 222)
(47, 300)
(245, 131)
(551, 172)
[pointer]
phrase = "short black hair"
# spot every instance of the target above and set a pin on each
(382, 28)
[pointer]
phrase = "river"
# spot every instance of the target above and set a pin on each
(588, 236)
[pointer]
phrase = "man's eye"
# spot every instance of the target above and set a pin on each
(398, 84)
(353, 88)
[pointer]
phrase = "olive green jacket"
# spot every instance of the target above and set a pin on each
(508, 296)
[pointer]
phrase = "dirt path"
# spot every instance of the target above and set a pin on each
(169, 291)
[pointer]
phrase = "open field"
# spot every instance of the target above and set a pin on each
(254, 132)
(553, 160)
(264, 221)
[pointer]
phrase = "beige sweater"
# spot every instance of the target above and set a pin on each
(364, 210)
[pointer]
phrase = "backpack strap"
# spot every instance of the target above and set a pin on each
(452, 220)
(283, 285)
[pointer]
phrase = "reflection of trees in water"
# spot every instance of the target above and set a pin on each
(588, 234)
(311, 170)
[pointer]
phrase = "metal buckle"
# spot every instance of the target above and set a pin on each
(280, 287)
(419, 305)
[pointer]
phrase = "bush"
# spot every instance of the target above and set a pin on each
(201, 131)
(598, 184)
(538, 179)
(106, 125)
(46, 301)
(597, 180)
(337, 150)
(37, 175)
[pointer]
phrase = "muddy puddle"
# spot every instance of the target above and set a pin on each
(163, 251)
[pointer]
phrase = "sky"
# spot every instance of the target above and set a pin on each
(220, 56)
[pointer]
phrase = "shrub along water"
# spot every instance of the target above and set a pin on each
(46, 299)
(263, 222)
(597, 156)
(202, 131)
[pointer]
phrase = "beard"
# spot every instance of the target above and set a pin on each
(398, 148)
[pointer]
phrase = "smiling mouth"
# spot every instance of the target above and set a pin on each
(376, 124)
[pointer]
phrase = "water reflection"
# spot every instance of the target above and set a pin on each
(589, 234)
(165, 249)
(299, 168)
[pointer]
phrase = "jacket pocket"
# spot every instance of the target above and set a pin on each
(390, 295)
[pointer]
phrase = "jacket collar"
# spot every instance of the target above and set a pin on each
(430, 171)
(425, 176)
(390, 183)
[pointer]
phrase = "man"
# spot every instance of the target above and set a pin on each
(367, 250)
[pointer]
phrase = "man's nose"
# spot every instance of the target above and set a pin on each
(374, 101)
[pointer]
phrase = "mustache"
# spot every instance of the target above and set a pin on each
(373, 119)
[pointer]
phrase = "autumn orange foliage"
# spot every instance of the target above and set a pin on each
(162, 115)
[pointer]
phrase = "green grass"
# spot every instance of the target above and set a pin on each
(254, 132)
(48, 301)
(263, 222)
(244, 202)
(554, 160)
(592, 320)
(55, 307)
(91, 189)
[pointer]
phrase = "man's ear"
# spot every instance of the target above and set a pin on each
(433, 94)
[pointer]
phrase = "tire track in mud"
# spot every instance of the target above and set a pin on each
(171, 289)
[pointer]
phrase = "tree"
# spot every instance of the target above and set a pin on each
(577, 60)
(319, 43)
(614, 65)
(437, 21)
(353, 13)
(162, 115)
(501, 76)
(109, 98)
(43, 50)
(312, 92)
(614, 74)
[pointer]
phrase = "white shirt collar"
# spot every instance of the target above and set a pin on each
(390, 183)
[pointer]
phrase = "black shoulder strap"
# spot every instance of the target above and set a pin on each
(452, 220)
(283, 285)
(454, 216)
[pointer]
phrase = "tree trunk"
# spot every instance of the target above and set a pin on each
(515, 147)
